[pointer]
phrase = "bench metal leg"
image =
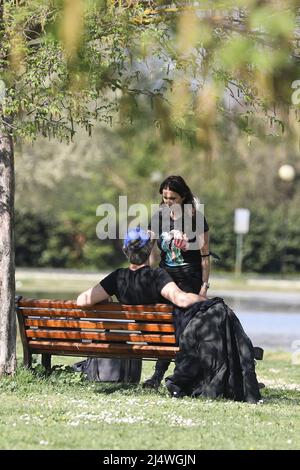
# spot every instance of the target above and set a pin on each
(27, 359)
(258, 353)
(46, 361)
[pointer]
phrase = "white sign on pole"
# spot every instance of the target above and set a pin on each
(241, 221)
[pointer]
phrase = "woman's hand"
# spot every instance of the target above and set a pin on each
(203, 291)
(180, 240)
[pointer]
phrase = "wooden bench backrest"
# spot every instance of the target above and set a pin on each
(60, 327)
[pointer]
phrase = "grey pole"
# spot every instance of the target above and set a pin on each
(239, 254)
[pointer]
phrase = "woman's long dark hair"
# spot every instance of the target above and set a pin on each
(179, 186)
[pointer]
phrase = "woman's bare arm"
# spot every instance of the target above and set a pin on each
(205, 261)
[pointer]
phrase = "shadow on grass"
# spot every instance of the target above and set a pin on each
(109, 388)
(270, 396)
(281, 395)
(127, 389)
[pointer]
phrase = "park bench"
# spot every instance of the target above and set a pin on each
(106, 330)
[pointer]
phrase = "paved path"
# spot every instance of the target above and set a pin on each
(268, 295)
(262, 288)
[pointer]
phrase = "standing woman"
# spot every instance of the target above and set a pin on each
(182, 235)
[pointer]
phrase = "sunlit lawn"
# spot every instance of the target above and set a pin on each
(64, 411)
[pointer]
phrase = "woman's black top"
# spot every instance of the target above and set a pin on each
(171, 256)
(142, 286)
(184, 266)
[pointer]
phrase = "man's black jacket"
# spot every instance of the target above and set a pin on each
(216, 357)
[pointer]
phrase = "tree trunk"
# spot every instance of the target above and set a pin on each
(7, 261)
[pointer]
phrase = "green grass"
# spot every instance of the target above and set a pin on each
(64, 411)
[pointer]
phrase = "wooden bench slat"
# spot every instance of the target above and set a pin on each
(170, 339)
(111, 307)
(103, 325)
(47, 303)
(154, 355)
(102, 348)
(122, 315)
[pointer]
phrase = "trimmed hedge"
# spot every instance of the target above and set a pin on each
(271, 246)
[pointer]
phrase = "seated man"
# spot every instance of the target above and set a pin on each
(138, 284)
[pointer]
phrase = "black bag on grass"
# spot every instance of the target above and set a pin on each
(111, 370)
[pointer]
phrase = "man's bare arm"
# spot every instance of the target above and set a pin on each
(92, 296)
(182, 299)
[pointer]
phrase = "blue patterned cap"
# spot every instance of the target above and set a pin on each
(137, 235)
